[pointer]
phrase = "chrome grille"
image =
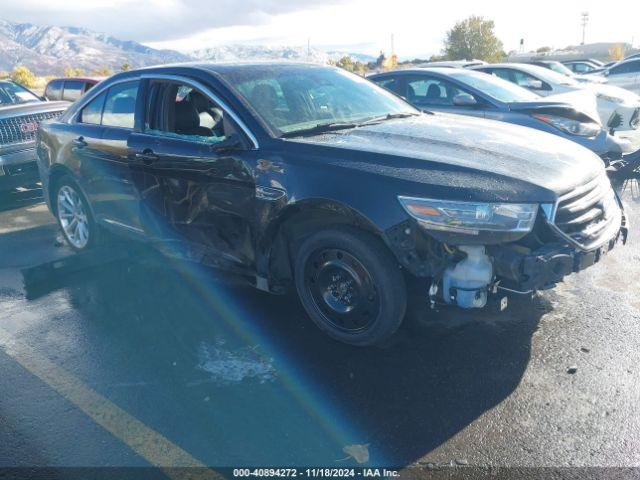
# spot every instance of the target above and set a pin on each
(22, 129)
(589, 215)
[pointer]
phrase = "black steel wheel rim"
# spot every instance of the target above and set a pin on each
(342, 290)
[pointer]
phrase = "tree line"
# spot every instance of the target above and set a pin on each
(24, 76)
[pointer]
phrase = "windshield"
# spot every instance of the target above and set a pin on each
(12, 94)
(496, 88)
(296, 98)
(550, 76)
(561, 69)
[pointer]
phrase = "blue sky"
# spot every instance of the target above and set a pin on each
(363, 26)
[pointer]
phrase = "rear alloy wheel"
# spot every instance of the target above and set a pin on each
(74, 216)
(351, 286)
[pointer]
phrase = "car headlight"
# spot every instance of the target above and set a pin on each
(568, 125)
(609, 98)
(471, 218)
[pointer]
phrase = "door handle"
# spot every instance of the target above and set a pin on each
(146, 156)
(79, 142)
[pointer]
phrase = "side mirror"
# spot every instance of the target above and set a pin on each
(464, 100)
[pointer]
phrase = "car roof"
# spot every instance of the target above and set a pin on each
(628, 60)
(223, 67)
(527, 67)
(582, 60)
(420, 70)
(80, 79)
(452, 63)
(621, 62)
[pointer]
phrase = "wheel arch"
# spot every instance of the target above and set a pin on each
(293, 224)
(56, 172)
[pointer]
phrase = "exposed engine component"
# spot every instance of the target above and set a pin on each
(466, 283)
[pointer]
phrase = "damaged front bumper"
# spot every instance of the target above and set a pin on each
(526, 272)
(513, 267)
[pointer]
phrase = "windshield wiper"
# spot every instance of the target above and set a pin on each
(333, 126)
(389, 116)
(319, 128)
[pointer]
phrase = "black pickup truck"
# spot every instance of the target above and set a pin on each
(310, 177)
(21, 111)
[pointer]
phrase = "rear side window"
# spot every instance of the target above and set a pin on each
(431, 91)
(390, 83)
(73, 90)
(54, 90)
(120, 105)
(92, 113)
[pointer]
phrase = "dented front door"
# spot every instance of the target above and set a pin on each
(195, 200)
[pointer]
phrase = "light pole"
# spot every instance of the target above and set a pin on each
(585, 20)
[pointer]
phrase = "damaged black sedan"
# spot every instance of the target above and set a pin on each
(310, 177)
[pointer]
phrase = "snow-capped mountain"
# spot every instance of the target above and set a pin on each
(50, 49)
(360, 57)
(234, 53)
(238, 52)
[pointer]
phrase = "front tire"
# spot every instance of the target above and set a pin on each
(74, 215)
(350, 285)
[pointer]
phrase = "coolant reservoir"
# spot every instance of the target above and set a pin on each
(465, 284)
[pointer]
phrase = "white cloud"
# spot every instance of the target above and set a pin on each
(152, 20)
(366, 26)
(419, 26)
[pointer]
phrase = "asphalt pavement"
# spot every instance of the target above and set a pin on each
(125, 358)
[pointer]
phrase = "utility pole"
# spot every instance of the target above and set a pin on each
(584, 21)
(392, 46)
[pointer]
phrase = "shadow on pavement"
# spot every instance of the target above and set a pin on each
(20, 198)
(403, 401)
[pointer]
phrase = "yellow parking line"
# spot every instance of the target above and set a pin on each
(146, 442)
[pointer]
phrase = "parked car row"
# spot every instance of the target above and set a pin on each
(625, 74)
(619, 109)
(472, 93)
(310, 178)
(616, 86)
(587, 65)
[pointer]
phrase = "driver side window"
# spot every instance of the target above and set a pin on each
(181, 111)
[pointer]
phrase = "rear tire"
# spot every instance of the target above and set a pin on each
(74, 216)
(350, 285)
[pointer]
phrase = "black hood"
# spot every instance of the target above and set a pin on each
(453, 143)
